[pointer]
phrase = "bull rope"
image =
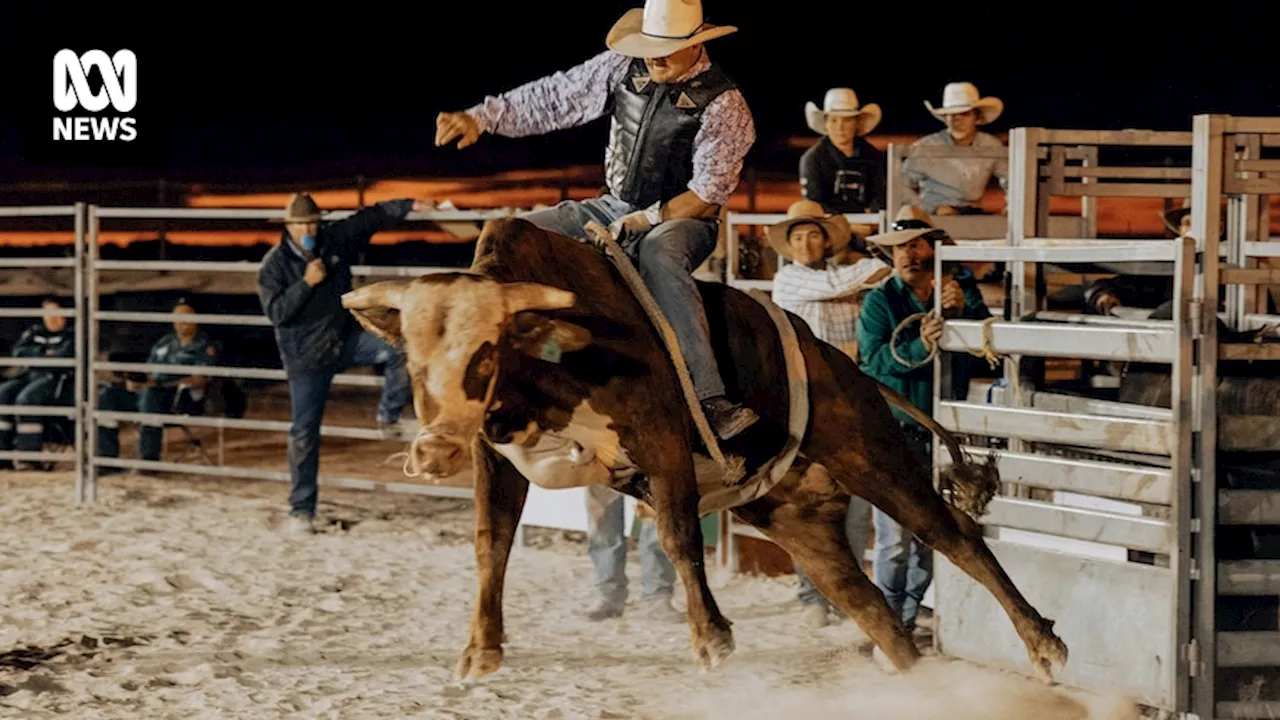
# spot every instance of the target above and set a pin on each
(733, 469)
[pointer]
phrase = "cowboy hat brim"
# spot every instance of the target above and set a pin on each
(902, 237)
(868, 117)
(989, 108)
(1173, 219)
(627, 37)
(839, 233)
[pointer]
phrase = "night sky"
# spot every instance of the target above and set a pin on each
(246, 94)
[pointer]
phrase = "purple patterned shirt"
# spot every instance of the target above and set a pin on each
(581, 94)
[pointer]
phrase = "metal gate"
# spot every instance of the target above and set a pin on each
(1093, 522)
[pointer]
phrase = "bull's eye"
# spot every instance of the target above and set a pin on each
(480, 370)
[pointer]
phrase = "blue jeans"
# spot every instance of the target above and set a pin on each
(307, 395)
(150, 400)
(665, 257)
(857, 523)
(607, 548)
(32, 390)
(903, 566)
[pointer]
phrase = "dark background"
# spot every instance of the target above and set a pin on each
(262, 93)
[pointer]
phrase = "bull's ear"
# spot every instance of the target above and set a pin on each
(382, 323)
(544, 338)
(521, 296)
(377, 308)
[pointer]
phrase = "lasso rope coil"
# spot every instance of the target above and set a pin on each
(986, 353)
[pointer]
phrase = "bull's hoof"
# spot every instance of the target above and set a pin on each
(477, 662)
(716, 646)
(1047, 652)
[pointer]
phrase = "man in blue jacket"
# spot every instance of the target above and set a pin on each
(301, 284)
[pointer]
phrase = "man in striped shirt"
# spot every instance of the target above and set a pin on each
(823, 283)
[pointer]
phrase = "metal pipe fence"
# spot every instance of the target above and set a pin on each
(15, 413)
(94, 415)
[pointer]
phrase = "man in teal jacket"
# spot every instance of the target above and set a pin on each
(903, 566)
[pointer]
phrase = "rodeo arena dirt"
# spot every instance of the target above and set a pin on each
(1135, 509)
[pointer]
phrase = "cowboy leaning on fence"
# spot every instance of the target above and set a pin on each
(903, 566)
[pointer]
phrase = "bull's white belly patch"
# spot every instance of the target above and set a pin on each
(586, 452)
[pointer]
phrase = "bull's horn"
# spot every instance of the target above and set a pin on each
(385, 294)
(535, 296)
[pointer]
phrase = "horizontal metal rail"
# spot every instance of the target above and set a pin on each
(28, 456)
(261, 474)
(38, 262)
(254, 267)
(1072, 429)
(1088, 477)
(1048, 340)
(37, 312)
(1249, 507)
(159, 317)
(736, 218)
(1261, 249)
(1064, 251)
(242, 373)
(1132, 138)
(1249, 577)
(1138, 533)
(1062, 402)
(225, 423)
(1248, 649)
(37, 362)
(274, 214)
(38, 410)
(37, 210)
(1099, 320)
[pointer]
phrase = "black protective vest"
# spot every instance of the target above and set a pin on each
(651, 134)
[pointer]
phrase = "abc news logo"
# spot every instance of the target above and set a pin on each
(71, 90)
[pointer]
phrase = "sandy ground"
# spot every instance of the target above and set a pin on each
(179, 598)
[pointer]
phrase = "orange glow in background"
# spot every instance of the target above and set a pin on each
(528, 188)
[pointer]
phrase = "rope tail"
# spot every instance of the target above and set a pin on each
(968, 486)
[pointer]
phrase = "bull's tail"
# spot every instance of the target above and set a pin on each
(971, 485)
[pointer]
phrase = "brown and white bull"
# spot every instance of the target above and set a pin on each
(541, 339)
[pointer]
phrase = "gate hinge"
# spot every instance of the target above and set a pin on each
(1195, 316)
(1193, 569)
(1192, 652)
(1195, 525)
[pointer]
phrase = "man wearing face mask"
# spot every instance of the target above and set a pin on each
(301, 284)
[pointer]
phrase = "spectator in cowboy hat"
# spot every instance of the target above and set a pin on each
(300, 285)
(843, 172)
(954, 186)
(823, 283)
(903, 566)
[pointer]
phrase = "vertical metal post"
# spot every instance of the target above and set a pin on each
(1206, 191)
(731, 249)
(81, 369)
(91, 352)
(894, 192)
(1181, 464)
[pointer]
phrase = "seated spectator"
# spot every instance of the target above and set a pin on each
(53, 337)
(843, 172)
(160, 393)
(823, 283)
(955, 186)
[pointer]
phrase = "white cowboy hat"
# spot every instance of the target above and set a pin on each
(662, 27)
(958, 97)
(841, 102)
(910, 223)
(839, 233)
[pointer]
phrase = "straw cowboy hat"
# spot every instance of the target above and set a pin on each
(959, 97)
(662, 27)
(301, 209)
(841, 102)
(839, 234)
(910, 223)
